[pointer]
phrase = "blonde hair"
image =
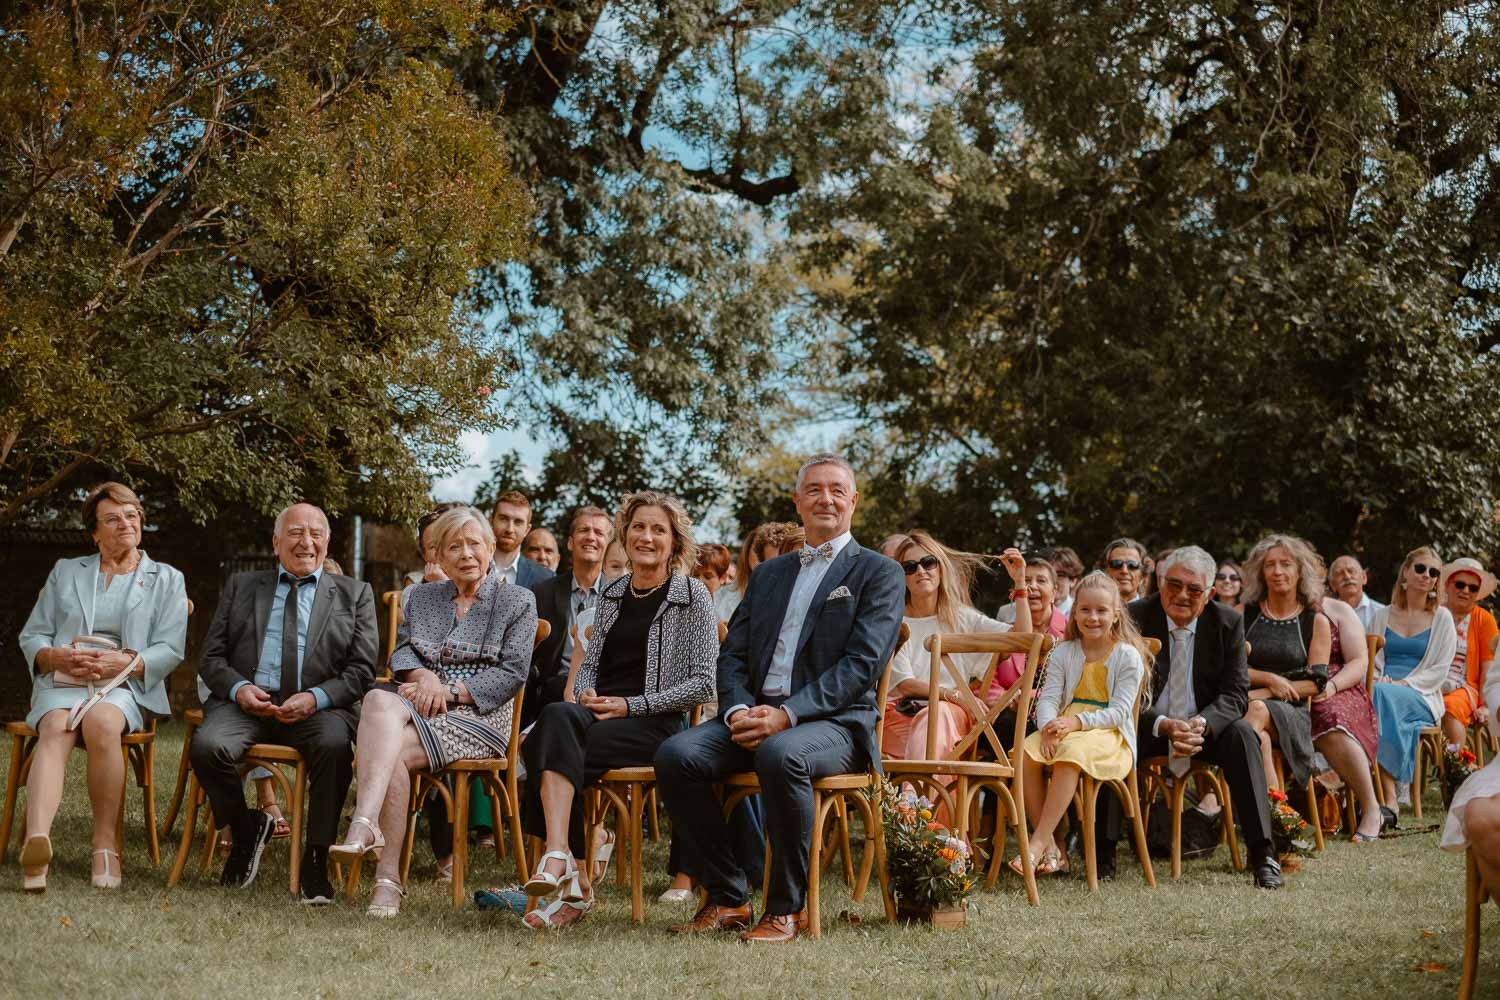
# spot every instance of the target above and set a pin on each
(1123, 629)
(1398, 592)
(957, 578)
(1311, 572)
(684, 550)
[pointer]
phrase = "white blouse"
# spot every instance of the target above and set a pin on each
(914, 662)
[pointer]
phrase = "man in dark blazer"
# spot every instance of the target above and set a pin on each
(511, 521)
(289, 654)
(1200, 687)
(559, 601)
(796, 694)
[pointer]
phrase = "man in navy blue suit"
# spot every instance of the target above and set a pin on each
(511, 521)
(797, 678)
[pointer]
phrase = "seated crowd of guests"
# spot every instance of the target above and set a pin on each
(1258, 668)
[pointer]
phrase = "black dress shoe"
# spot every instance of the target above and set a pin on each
(1268, 874)
(244, 856)
(315, 889)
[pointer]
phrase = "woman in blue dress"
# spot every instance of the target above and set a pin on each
(1419, 645)
(98, 617)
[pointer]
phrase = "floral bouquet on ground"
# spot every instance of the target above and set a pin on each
(1458, 763)
(929, 869)
(1289, 831)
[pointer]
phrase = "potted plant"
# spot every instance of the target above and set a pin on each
(1458, 763)
(1290, 833)
(930, 870)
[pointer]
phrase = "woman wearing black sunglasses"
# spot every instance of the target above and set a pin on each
(1228, 584)
(1420, 641)
(938, 599)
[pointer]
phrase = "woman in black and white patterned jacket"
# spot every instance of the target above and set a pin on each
(650, 661)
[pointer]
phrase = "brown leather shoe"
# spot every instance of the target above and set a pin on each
(713, 917)
(775, 928)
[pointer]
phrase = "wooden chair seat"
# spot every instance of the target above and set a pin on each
(139, 751)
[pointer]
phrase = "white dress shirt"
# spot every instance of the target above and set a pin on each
(1366, 609)
(778, 682)
(509, 572)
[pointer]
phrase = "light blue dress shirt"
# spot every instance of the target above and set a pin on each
(268, 670)
(778, 682)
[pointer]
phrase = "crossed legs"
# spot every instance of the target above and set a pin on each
(1259, 718)
(387, 752)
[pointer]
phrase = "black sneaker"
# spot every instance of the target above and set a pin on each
(244, 856)
(316, 890)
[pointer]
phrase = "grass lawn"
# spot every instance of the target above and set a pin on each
(1357, 922)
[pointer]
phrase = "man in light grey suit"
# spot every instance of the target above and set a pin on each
(290, 653)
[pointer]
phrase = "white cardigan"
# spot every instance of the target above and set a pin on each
(1427, 676)
(1065, 669)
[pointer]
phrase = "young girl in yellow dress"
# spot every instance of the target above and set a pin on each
(1096, 671)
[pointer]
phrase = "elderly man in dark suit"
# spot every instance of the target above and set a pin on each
(796, 686)
(290, 653)
(1200, 685)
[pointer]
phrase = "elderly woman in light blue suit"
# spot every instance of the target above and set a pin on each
(131, 613)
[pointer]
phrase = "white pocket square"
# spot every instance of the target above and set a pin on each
(839, 592)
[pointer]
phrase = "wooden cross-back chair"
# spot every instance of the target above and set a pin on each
(958, 779)
(1086, 796)
(139, 752)
(827, 791)
(497, 777)
(392, 601)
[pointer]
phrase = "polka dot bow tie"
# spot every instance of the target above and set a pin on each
(808, 553)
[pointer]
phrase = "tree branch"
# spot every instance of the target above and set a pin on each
(41, 489)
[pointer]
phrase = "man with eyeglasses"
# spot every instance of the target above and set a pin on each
(1348, 580)
(1464, 583)
(1200, 688)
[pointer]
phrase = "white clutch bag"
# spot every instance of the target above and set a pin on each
(97, 692)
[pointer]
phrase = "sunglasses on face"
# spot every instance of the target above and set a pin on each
(1424, 569)
(1129, 564)
(1468, 588)
(1231, 577)
(929, 563)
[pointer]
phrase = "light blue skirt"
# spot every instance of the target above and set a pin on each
(50, 699)
(1402, 713)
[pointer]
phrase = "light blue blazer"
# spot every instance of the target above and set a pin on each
(156, 617)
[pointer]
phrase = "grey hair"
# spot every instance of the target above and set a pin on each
(1195, 559)
(281, 517)
(450, 522)
(826, 458)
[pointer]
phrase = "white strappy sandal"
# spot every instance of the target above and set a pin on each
(544, 883)
(386, 910)
(106, 880)
(352, 850)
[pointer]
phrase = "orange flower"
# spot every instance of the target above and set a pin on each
(934, 826)
(1277, 795)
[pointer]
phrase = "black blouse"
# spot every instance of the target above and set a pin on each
(622, 662)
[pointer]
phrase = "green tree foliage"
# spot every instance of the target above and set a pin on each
(237, 242)
(1187, 271)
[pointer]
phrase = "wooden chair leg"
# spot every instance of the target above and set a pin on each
(517, 843)
(1473, 900)
(653, 815)
(1131, 798)
(460, 835)
(185, 843)
(12, 790)
(635, 834)
(844, 845)
(1179, 790)
(1312, 809)
(821, 806)
(1089, 797)
(124, 794)
(1231, 840)
(184, 768)
(299, 826)
(867, 856)
(210, 840)
(148, 799)
(881, 871)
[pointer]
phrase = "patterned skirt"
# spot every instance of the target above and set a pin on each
(462, 734)
(1351, 712)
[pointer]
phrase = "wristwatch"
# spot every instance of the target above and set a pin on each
(453, 692)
